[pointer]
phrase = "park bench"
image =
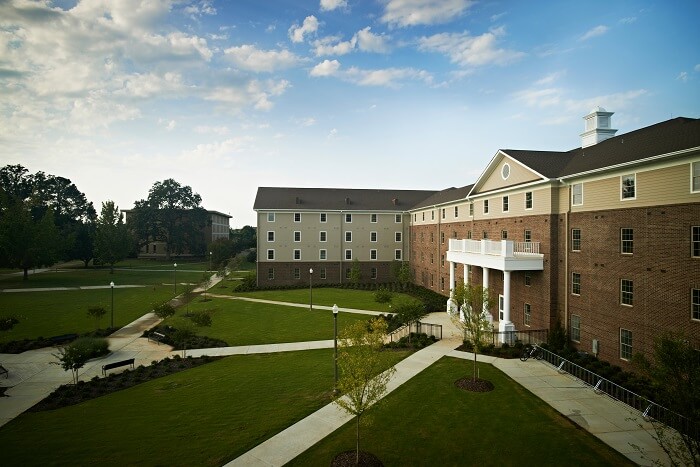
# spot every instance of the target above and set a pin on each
(4, 370)
(63, 338)
(156, 336)
(109, 366)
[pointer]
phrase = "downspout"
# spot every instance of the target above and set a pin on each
(566, 262)
(342, 244)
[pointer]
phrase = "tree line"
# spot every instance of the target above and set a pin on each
(45, 219)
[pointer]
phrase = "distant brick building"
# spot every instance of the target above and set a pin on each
(603, 239)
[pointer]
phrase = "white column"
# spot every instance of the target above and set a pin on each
(485, 284)
(466, 274)
(452, 279)
(505, 324)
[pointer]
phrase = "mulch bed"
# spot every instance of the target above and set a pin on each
(474, 385)
(347, 459)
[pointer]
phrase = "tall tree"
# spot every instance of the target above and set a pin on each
(112, 239)
(171, 214)
(472, 300)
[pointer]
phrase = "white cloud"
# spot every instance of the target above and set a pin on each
(330, 5)
(594, 32)
(204, 7)
(682, 76)
(466, 50)
(628, 20)
(149, 85)
(248, 57)
(540, 98)
(404, 13)
(306, 122)
(325, 68)
(309, 26)
(332, 134)
(387, 77)
(255, 93)
(332, 45)
(697, 67)
(550, 78)
(367, 41)
(217, 130)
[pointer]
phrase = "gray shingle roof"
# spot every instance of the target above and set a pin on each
(279, 198)
(445, 196)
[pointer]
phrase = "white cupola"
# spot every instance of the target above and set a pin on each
(598, 127)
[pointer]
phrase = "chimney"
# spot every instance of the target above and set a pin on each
(395, 201)
(598, 127)
(298, 200)
(347, 200)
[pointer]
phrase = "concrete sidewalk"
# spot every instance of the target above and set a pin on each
(298, 305)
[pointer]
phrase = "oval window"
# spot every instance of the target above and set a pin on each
(505, 171)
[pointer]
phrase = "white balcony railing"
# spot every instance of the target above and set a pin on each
(505, 248)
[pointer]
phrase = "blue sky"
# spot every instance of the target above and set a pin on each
(226, 96)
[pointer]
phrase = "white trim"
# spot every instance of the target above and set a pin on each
(532, 201)
(400, 237)
(373, 215)
(398, 255)
(375, 237)
(373, 250)
(268, 254)
(319, 236)
(486, 208)
(636, 191)
(321, 256)
(692, 163)
(294, 254)
(320, 217)
(572, 194)
(345, 254)
(692, 303)
(505, 200)
(630, 346)
(505, 171)
(268, 236)
(348, 233)
(268, 217)
(295, 236)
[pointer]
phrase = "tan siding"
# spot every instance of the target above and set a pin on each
(518, 175)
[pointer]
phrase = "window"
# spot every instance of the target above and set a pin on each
(471, 209)
(695, 240)
(373, 273)
(348, 254)
(576, 283)
(695, 304)
(348, 273)
(526, 314)
(348, 218)
(575, 328)
(505, 171)
(625, 344)
(270, 217)
(442, 283)
(505, 204)
(626, 292)
(528, 280)
(504, 234)
(695, 176)
(323, 217)
(323, 273)
(432, 215)
(297, 236)
(575, 239)
(297, 254)
(432, 258)
(442, 260)
(423, 215)
(456, 212)
(577, 194)
(271, 255)
(397, 255)
(373, 236)
(397, 218)
(270, 236)
(484, 234)
(443, 213)
(373, 218)
(627, 241)
(627, 186)
(348, 236)
(432, 237)
(373, 255)
(397, 236)
(297, 217)
(442, 237)
(469, 235)
(432, 280)
(270, 274)
(297, 273)
(322, 255)
(528, 236)
(486, 206)
(322, 236)
(528, 200)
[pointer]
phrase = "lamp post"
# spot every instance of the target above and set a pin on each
(335, 347)
(111, 286)
(311, 290)
(210, 253)
(175, 278)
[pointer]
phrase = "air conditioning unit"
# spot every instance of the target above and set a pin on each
(595, 347)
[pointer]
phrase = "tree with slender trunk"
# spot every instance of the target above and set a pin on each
(472, 301)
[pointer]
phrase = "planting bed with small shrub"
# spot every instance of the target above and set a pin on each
(40, 342)
(192, 341)
(417, 342)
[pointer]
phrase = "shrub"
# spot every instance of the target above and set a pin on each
(248, 283)
(164, 310)
(7, 323)
(382, 296)
(201, 318)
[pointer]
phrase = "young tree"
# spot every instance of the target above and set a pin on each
(402, 272)
(410, 312)
(206, 283)
(355, 272)
(472, 301)
(164, 310)
(97, 312)
(112, 239)
(73, 358)
(361, 365)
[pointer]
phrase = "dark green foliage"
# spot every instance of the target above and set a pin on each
(557, 338)
(7, 322)
(74, 356)
(112, 239)
(164, 310)
(414, 341)
(383, 296)
(393, 322)
(185, 338)
(248, 284)
(201, 318)
(97, 312)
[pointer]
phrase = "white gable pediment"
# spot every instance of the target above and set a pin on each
(504, 171)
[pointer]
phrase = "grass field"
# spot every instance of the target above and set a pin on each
(205, 416)
(428, 421)
(247, 323)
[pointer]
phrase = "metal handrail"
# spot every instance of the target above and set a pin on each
(434, 330)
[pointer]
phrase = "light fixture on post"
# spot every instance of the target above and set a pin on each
(175, 278)
(210, 253)
(111, 286)
(311, 290)
(335, 347)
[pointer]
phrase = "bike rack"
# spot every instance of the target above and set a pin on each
(595, 388)
(561, 365)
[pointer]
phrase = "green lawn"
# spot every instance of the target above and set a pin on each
(205, 416)
(428, 421)
(247, 323)
(344, 298)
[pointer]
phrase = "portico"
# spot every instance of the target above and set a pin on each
(503, 255)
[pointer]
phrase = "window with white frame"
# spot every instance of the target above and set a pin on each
(397, 236)
(695, 241)
(297, 217)
(297, 236)
(528, 200)
(323, 236)
(575, 328)
(297, 255)
(323, 273)
(432, 215)
(423, 213)
(506, 202)
(323, 217)
(397, 218)
(348, 236)
(270, 217)
(373, 273)
(322, 255)
(348, 254)
(576, 283)
(471, 209)
(442, 283)
(442, 260)
(486, 206)
(271, 255)
(270, 235)
(577, 194)
(397, 255)
(373, 237)
(527, 314)
(528, 280)
(297, 273)
(528, 235)
(348, 218)
(484, 235)
(695, 177)
(626, 291)
(628, 189)
(504, 234)
(270, 274)
(442, 238)
(373, 255)
(626, 241)
(443, 213)
(575, 239)
(625, 344)
(456, 212)
(695, 304)
(373, 218)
